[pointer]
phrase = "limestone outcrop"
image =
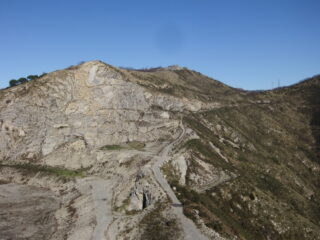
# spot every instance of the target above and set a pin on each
(99, 152)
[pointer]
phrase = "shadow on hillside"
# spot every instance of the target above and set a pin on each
(315, 126)
(314, 100)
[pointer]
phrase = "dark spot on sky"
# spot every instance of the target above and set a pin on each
(169, 39)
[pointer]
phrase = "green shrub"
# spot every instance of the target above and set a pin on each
(63, 172)
(156, 227)
(130, 145)
(111, 147)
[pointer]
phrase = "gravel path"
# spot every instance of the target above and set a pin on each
(190, 230)
(101, 194)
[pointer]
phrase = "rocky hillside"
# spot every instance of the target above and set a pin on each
(99, 152)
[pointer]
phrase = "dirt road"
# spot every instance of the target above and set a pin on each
(190, 230)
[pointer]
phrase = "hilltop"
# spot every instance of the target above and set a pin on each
(99, 152)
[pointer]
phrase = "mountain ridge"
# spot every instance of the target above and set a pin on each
(243, 164)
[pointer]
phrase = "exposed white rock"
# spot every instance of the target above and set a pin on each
(165, 115)
(181, 164)
(67, 119)
(217, 150)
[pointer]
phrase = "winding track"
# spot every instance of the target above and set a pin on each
(101, 197)
(190, 230)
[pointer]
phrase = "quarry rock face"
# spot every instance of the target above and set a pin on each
(95, 104)
(79, 150)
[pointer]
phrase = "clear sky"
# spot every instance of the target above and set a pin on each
(244, 43)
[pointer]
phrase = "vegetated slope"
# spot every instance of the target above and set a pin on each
(308, 101)
(247, 166)
(188, 84)
(269, 151)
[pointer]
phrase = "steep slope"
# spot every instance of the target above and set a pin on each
(253, 169)
(245, 166)
(91, 120)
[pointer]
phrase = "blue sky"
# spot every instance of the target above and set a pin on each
(248, 44)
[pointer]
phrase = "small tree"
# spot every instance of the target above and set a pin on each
(32, 77)
(22, 80)
(13, 83)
